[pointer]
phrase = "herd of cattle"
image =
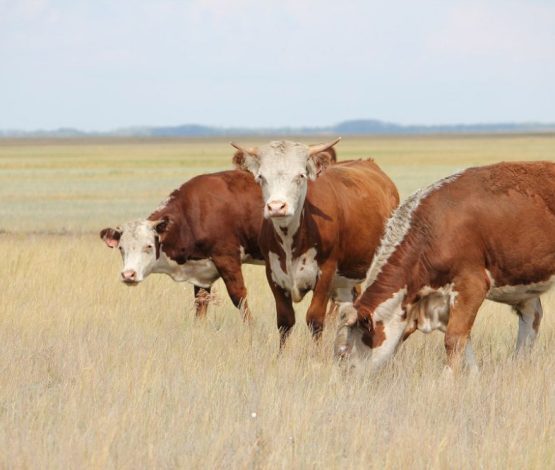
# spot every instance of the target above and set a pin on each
(325, 226)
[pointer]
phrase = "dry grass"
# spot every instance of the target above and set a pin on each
(96, 374)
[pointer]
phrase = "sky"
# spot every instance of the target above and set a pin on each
(101, 65)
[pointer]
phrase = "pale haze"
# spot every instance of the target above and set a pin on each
(100, 65)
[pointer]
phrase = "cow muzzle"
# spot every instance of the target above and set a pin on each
(277, 209)
(129, 277)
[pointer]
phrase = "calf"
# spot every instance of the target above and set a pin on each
(483, 233)
(203, 231)
(321, 227)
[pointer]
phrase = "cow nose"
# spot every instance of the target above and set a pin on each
(277, 208)
(129, 276)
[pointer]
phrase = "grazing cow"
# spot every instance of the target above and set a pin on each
(483, 233)
(203, 231)
(317, 235)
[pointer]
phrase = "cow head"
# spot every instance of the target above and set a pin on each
(139, 245)
(282, 169)
(374, 335)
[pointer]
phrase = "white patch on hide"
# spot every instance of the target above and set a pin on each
(200, 272)
(301, 273)
(517, 293)
(431, 312)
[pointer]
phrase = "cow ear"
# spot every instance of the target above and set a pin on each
(160, 226)
(317, 164)
(110, 236)
(239, 160)
(246, 159)
(320, 157)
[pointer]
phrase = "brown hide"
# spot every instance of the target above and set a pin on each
(213, 216)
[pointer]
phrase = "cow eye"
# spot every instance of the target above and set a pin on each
(259, 178)
(300, 177)
(148, 248)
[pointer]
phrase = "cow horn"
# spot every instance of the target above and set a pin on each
(250, 151)
(314, 149)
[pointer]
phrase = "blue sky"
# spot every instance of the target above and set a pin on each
(99, 65)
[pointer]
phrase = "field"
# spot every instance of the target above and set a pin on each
(94, 374)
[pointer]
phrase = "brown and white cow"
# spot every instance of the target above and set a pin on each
(205, 230)
(483, 233)
(321, 227)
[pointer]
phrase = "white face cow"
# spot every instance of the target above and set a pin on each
(387, 325)
(282, 169)
(139, 246)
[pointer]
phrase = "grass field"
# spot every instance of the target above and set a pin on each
(94, 374)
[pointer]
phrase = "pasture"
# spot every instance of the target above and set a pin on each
(97, 374)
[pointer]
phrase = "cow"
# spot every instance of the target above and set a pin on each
(483, 233)
(321, 224)
(203, 231)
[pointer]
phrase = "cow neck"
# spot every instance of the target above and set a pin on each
(164, 265)
(395, 276)
(289, 235)
(177, 246)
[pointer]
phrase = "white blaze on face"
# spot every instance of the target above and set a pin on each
(389, 325)
(282, 168)
(137, 246)
(282, 174)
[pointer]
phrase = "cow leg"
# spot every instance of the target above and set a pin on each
(230, 270)
(285, 316)
(202, 295)
(470, 293)
(285, 313)
(530, 314)
(317, 310)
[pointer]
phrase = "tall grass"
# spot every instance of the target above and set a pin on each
(97, 374)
